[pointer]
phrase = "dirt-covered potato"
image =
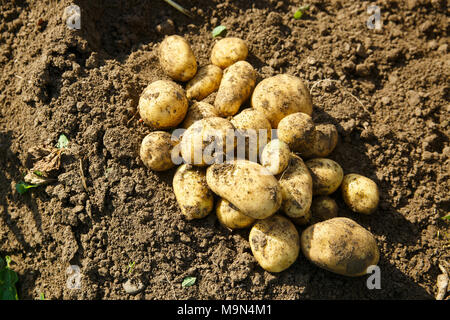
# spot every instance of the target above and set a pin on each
(281, 95)
(360, 193)
(236, 86)
(275, 243)
(326, 174)
(323, 208)
(163, 104)
(255, 129)
(207, 141)
(275, 156)
(250, 187)
(322, 143)
(197, 111)
(205, 82)
(304, 220)
(340, 245)
(194, 197)
(296, 187)
(230, 217)
(296, 130)
(177, 58)
(156, 149)
(228, 51)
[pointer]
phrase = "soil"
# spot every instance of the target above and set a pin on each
(388, 94)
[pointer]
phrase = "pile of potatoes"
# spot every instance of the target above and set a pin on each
(288, 182)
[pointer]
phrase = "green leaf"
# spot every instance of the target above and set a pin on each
(23, 187)
(8, 279)
(41, 296)
(220, 30)
(447, 217)
(299, 13)
(38, 173)
(62, 142)
(188, 281)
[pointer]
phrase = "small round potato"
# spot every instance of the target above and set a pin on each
(275, 156)
(206, 81)
(207, 141)
(163, 104)
(323, 142)
(156, 149)
(194, 197)
(197, 111)
(250, 187)
(281, 95)
(326, 174)
(275, 243)
(340, 245)
(323, 208)
(236, 86)
(230, 217)
(296, 130)
(360, 193)
(177, 58)
(228, 51)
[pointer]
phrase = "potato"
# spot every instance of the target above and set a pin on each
(207, 141)
(248, 186)
(236, 86)
(275, 243)
(296, 130)
(205, 82)
(281, 95)
(177, 58)
(230, 217)
(323, 208)
(304, 220)
(296, 187)
(163, 104)
(275, 156)
(253, 126)
(228, 51)
(327, 175)
(197, 111)
(194, 197)
(340, 245)
(156, 149)
(360, 193)
(323, 142)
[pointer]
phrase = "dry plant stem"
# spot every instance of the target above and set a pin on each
(173, 291)
(179, 8)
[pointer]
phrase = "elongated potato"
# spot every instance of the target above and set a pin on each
(340, 245)
(275, 243)
(197, 111)
(236, 86)
(250, 187)
(228, 51)
(232, 218)
(177, 58)
(206, 81)
(296, 187)
(156, 150)
(275, 156)
(163, 104)
(296, 130)
(194, 197)
(360, 193)
(323, 208)
(207, 141)
(281, 95)
(327, 175)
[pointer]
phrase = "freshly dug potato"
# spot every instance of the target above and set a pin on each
(304, 220)
(228, 51)
(340, 245)
(323, 208)
(205, 82)
(275, 243)
(296, 130)
(163, 104)
(156, 149)
(194, 197)
(275, 156)
(236, 86)
(207, 141)
(255, 129)
(177, 58)
(296, 187)
(250, 187)
(326, 174)
(197, 111)
(230, 217)
(360, 193)
(281, 95)
(322, 143)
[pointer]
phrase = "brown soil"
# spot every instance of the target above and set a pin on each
(86, 84)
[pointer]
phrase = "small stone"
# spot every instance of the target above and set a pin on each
(133, 286)
(166, 28)
(311, 61)
(432, 45)
(386, 101)
(360, 50)
(362, 70)
(411, 4)
(413, 98)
